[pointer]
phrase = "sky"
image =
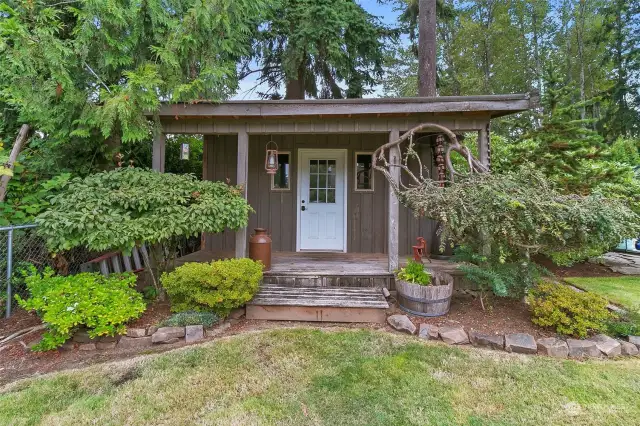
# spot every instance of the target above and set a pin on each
(383, 11)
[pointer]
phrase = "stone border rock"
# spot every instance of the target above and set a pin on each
(595, 347)
(140, 338)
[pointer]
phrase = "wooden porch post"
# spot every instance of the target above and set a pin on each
(157, 157)
(241, 179)
(483, 146)
(394, 207)
(207, 144)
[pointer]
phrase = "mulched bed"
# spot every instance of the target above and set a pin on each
(155, 313)
(19, 319)
(501, 316)
(584, 269)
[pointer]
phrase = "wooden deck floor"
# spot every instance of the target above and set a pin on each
(306, 269)
(303, 263)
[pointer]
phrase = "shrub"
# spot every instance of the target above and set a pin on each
(504, 279)
(219, 286)
(120, 208)
(414, 273)
(570, 312)
(102, 304)
(628, 324)
(182, 319)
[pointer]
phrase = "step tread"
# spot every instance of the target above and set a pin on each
(346, 297)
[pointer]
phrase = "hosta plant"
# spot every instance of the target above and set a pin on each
(103, 305)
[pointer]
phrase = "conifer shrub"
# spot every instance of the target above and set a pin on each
(103, 305)
(182, 319)
(219, 286)
(568, 311)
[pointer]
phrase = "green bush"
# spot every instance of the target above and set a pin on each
(414, 273)
(101, 304)
(182, 319)
(504, 279)
(219, 286)
(628, 324)
(570, 312)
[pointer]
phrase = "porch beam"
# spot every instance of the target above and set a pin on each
(483, 146)
(393, 214)
(157, 156)
(241, 179)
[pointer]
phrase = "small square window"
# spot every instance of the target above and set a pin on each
(364, 171)
(281, 180)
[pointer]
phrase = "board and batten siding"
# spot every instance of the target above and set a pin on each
(276, 210)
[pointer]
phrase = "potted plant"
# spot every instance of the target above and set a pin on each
(423, 292)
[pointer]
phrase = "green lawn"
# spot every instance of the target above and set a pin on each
(623, 291)
(305, 376)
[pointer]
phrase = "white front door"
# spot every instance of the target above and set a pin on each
(322, 202)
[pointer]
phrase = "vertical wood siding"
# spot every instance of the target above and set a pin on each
(277, 210)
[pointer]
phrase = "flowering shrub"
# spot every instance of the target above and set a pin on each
(101, 304)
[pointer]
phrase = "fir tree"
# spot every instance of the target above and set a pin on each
(318, 48)
(84, 73)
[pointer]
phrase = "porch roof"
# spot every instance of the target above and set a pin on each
(487, 105)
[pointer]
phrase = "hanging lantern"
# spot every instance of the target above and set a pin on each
(271, 159)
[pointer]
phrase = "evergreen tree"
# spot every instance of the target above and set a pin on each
(575, 158)
(622, 32)
(84, 73)
(317, 48)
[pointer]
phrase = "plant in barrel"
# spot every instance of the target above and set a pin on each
(423, 292)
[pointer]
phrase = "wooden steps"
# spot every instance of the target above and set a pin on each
(325, 304)
(328, 270)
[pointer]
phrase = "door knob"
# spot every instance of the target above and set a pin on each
(303, 208)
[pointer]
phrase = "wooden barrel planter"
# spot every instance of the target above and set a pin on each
(427, 301)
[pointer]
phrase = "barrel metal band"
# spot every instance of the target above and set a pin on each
(421, 314)
(427, 302)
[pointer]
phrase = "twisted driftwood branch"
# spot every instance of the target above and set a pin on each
(383, 165)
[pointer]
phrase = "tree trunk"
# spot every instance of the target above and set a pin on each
(21, 140)
(580, 41)
(295, 87)
(427, 45)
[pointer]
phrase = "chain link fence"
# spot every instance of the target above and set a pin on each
(21, 250)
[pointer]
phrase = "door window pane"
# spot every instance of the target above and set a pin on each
(364, 172)
(331, 196)
(281, 179)
(322, 181)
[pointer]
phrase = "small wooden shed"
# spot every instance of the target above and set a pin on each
(325, 196)
(335, 222)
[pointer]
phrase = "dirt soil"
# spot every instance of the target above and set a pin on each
(501, 316)
(584, 269)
